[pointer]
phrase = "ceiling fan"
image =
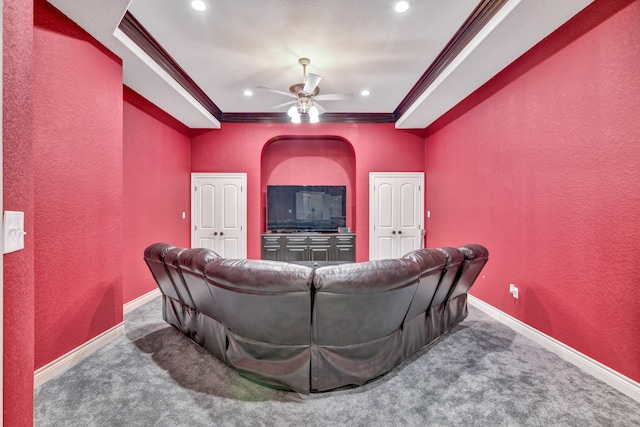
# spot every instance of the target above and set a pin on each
(307, 95)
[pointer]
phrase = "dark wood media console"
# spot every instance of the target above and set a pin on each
(294, 247)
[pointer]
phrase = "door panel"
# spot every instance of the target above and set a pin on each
(206, 242)
(385, 195)
(230, 206)
(407, 205)
(230, 247)
(411, 208)
(205, 215)
(384, 248)
(407, 244)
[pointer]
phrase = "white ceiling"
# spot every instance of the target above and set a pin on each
(354, 45)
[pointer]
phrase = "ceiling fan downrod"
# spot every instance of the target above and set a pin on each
(304, 62)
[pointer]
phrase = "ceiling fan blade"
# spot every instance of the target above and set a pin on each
(321, 109)
(281, 92)
(311, 83)
(335, 96)
(283, 104)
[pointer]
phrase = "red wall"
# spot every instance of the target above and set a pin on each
(77, 167)
(542, 165)
(17, 122)
(239, 148)
(157, 180)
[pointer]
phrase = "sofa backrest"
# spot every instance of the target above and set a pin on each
(171, 261)
(475, 257)
(454, 261)
(154, 257)
(432, 264)
(191, 266)
(362, 302)
(267, 301)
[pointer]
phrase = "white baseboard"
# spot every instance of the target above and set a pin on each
(613, 378)
(73, 357)
(141, 300)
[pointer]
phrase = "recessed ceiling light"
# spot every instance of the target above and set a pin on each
(402, 6)
(365, 93)
(199, 5)
(247, 92)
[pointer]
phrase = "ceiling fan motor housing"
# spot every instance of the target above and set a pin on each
(298, 91)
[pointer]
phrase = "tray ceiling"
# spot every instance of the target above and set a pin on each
(416, 65)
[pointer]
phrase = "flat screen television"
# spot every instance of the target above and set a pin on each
(311, 208)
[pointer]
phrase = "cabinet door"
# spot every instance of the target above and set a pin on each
(271, 248)
(344, 248)
(319, 248)
(295, 248)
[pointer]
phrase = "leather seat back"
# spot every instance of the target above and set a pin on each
(192, 264)
(432, 264)
(416, 331)
(154, 257)
(357, 303)
(475, 257)
(263, 300)
(358, 312)
(455, 257)
(171, 260)
(266, 308)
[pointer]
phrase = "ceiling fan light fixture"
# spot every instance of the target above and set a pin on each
(295, 119)
(293, 111)
(314, 114)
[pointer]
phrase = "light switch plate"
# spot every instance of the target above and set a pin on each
(13, 231)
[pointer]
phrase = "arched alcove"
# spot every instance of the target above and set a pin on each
(304, 160)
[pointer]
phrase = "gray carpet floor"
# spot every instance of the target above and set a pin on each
(480, 374)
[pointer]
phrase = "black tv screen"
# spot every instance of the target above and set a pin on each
(292, 208)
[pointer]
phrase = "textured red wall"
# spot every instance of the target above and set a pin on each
(157, 179)
(78, 195)
(239, 147)
(542, 165)
(18, 195)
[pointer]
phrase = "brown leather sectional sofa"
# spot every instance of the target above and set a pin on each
(304, 329)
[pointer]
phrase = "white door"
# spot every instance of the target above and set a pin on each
(218, 213)
(395, 214)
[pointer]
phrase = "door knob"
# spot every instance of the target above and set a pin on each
(400, 232)
(393, 232)
(215, 233)
(221, 233)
